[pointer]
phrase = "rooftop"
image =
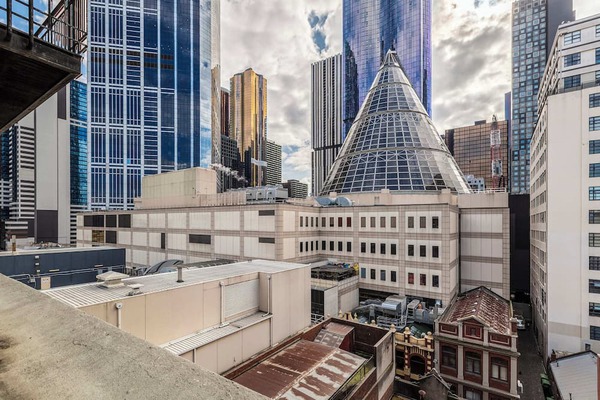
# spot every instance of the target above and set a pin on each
(576, 375)
(92, 293)
(482, 305)
(303, 370)
(52, 351)
(53, 250)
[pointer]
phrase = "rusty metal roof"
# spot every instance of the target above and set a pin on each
(304, 370)
(483, 305)
(333, 334)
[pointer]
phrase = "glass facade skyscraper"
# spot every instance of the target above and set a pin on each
(534, 25)
(151, 68)
(393, 144)
(370, 29)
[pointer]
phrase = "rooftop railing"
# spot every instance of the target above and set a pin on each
(63, 24)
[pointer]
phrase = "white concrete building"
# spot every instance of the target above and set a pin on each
(565, 193)
(409, 244)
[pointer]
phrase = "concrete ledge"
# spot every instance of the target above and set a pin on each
(51, 351)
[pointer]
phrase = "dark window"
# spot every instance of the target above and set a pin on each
(111, 237)
(331, 245)
(317, 242)
(411, 278)
(594, 146)
(598, 55)
(323, 245)
(392, 222)
(382, 274)
(200, 239)
(363, 222)
(97, 221)
(594, 217)
(594, 286)
(340, 246)
(340, 222)
(594, 123)
(449, 357)
(312, 245)
(393, 249)
(363, 247)
(301, 222)
(572, 59)
(399, 359)
(435, 222)
(363, 273)
(111, 221)
(472, 394)
(268, 240)
(411, 250)
(382, 248)
(323, 222)
(435, 251)
(411, 222)
(594, 170)
(595, 309)
(349, 222)
(499, 368)
(423, 251)
(265, 213)
(87, 220)
(348, 246)
(594, 239)
(572, 81)
(372, 222)
(317, 222)
(435, 280)
(594, 332)
(97, 236)
(372, 248)
(331, 222)
(163, 243)
(572, 37)
(312, 222)
(382, 222)
(594, 263)
(393, 276)
(594, 192)
(594, 100)
(472, 363)
(422, 222)
(125, 221)
(423, 280)
(373, 273)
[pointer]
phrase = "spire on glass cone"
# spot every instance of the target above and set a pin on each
(393, 144)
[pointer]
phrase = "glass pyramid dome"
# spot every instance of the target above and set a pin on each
(393, 144)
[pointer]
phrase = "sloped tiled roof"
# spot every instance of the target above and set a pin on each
(482, 305)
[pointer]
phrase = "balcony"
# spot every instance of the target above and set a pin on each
(40, 52)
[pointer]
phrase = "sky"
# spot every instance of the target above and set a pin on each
(280, 39)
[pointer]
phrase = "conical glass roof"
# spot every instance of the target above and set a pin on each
(393, 144)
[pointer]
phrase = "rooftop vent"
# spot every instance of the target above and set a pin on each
(136, 288)
(111, 279)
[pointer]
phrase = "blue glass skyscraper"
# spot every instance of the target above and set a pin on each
(150, 67)
(370, 29)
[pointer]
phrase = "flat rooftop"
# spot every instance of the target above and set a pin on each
(576, 375)
(51, 351)
(55, 250)
(92, 293)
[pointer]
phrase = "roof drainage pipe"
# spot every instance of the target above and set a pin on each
(119, 307)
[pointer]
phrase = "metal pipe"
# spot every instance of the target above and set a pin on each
(8, 20)
(222, 315)
(31, 24)
(119, 306)
(179, 274)
(269, 311)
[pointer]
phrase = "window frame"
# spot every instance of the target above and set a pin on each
(475, 363)
(594, 100)
(410, 278)
(411, 250)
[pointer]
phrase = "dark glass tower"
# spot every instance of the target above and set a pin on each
(370, 29)
(393, 144)
(150, 71)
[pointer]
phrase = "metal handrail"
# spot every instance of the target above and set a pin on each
(65, 26)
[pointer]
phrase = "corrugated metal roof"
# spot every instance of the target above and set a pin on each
(202, 338)
(333, 334)
(577, 375)
(304, 370)
(92, 293)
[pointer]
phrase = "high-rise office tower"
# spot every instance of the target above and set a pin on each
(248, 122)
(326, 117)
(393, 144)
(565, 193)
(470, 147)
(78, 152)
(296, 189)
(370, 29)
(152, 72)
(534, 24)
(273, 176)
(224, 112)
(36, 174)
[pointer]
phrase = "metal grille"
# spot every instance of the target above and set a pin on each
(240, 298)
